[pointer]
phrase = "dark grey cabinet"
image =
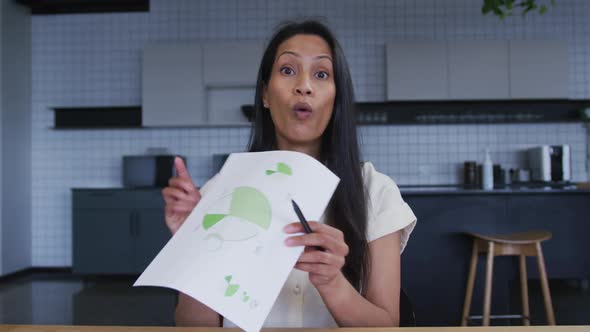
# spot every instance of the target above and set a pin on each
(116, 231)
(151, 236)
(567, 253)
(436, 261)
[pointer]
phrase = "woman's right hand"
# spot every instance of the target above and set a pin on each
(181, 197)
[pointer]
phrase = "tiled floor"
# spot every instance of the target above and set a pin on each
(60, 298)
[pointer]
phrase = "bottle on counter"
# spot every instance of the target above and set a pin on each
(488, 172)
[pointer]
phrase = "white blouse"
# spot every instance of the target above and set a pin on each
(299, 303)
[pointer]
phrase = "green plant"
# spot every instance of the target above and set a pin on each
(503, 8)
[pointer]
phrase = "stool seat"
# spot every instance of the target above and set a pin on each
(515, 238)
(523, 244)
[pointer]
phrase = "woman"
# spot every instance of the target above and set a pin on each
(304, 102)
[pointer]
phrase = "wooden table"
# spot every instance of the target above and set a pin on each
(59, 328)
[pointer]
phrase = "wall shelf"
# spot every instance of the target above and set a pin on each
(97, 117)
(465, 112)
(44, 7)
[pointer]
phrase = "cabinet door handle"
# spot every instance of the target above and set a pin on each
(131, 224)
(137, 224)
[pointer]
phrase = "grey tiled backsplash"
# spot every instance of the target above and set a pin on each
(95, 60)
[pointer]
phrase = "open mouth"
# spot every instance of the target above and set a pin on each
(302, 111)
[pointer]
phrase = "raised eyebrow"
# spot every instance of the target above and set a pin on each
(319, 57)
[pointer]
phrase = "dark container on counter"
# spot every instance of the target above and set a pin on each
(498, 176)
(470, 174)
(479, 176)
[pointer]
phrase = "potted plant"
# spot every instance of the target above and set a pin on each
(503, 8)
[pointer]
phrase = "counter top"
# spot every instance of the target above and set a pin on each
(414, 190)
(457, 190)
(118, 189)
(58, 328)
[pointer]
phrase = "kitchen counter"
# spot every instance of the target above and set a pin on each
(118, 189)
(439, 247)
(456, 190)
(77, 328)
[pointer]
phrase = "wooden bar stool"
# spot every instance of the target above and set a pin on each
(515, 244)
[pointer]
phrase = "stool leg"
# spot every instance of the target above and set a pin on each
(470, 282)
(524, 291)
(487, 303)
(545, 286)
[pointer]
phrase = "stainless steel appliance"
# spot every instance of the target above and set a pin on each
(148, 171)
(550, 163)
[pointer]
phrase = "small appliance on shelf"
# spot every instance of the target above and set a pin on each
(148, 170)
(550, 163)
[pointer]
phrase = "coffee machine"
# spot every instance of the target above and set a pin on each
(550, 163)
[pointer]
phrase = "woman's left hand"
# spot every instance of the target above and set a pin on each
(324, 254)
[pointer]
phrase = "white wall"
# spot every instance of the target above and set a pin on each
(16, 137)
(95, 60)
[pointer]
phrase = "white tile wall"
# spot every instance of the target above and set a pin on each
(86, 60)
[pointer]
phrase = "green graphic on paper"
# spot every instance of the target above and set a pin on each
(249, 212)
(281, 168)
(231, 288)
(248, 204)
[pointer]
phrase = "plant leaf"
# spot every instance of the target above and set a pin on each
(487, 6)
(228, 278)
(269, 172)
(542, 10)
(509, 4)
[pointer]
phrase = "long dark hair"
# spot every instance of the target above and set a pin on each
(347, 210)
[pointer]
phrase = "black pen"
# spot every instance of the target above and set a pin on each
(301, 217)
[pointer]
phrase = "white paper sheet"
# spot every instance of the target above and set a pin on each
(230, 252)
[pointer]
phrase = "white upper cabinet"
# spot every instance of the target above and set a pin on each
(229, 73)
(225, 105)
(539, 69)
(172, 85)
(417, 70)
(199, 84)
(233, 63)
(487, 69)
(478, 70)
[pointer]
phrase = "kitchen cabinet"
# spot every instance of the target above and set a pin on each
(230, 72)
(15, 138)
(200, 84)
(539, 69)
(172, 86)
(436, 259)
(231, 63)
(116, 231)
(224, 105)
(487, 70)
(151, 235)
(478, 70)
(417, 70)
(438, 251)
